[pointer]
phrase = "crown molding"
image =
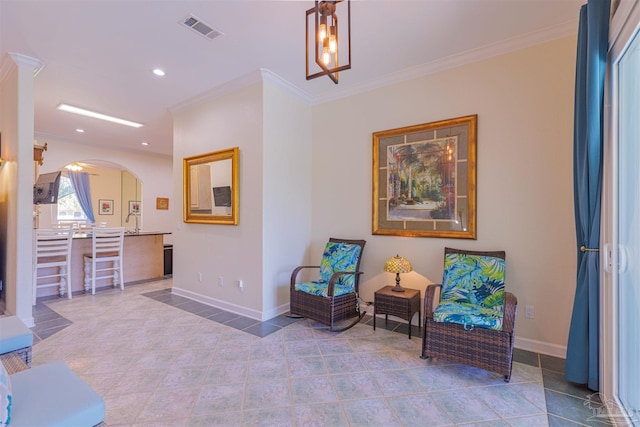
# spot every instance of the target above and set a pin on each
(502, 47)
(256, 76)
(287, 86)
(27, 61)
(219, 91)
(12, 60)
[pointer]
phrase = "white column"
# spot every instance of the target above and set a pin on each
(17, 178)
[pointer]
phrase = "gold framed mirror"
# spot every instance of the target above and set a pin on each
(211, 187)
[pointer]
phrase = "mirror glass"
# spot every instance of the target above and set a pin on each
(211, 187)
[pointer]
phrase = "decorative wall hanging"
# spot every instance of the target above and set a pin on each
(212, 187)
(162, 203)
(105, 207)
(424, 180)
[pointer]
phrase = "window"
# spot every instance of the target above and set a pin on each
(68, 206)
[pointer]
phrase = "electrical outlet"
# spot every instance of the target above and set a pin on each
(221, 280)
(529, 312)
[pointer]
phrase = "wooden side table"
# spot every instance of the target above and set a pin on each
(400, 304)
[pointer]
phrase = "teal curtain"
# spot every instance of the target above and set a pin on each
(583, 345)
(80, 182)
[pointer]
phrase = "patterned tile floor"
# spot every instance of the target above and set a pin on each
(162, 360)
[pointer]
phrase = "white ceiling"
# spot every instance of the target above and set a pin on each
(99, 54)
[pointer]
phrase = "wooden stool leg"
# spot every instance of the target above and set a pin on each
(87, 274)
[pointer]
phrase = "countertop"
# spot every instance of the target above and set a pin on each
(126, 234)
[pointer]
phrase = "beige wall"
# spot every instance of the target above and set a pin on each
(271, 127)
(524, 103)
(130, 191)
(214, 251)
(106, 184)
(286, 213)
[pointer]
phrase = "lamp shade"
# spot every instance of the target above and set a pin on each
(397, 264)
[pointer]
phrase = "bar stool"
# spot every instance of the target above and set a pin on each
(106, 257)
(52, 251)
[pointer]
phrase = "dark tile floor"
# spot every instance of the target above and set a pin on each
(236, 321)
(567, 404)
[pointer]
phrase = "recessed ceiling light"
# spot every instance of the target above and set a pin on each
(93, 114)
(80, 130)
(145, 143)
(158, 72)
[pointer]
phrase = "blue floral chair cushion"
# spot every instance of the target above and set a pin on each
(472, 289)
(469, 315)
(336, 257)
(5, 396)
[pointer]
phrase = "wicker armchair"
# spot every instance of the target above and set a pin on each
(489, 349)
(334, 297)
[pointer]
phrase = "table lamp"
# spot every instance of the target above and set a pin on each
(397, 265)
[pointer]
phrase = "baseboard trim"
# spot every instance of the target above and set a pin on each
(541, 347)
(266, 315)
(237, 309)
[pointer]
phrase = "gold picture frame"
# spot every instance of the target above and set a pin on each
(424, 180)
(162, 203)
(211, 187)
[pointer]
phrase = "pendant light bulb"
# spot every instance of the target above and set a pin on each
(333, 40)
(322, 33)
(326, 56)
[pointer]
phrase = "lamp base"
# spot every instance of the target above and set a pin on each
(397, 287)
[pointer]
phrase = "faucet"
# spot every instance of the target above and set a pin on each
(135, 215)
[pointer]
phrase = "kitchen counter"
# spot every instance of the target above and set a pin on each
(143, 260)
(81, 235)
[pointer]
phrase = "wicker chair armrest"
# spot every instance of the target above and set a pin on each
(334, 278)
(510, 306)
(431, 299)
(297, 270)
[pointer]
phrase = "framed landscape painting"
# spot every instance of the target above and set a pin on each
(424, 180)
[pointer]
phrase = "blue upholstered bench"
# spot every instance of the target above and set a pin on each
(52, 395)
(15, 337)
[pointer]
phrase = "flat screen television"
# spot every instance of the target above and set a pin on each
(45, 190)
(222, 196)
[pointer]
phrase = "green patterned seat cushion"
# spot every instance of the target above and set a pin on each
(322, 288)
(469, 315)
(336, 257)
(475, 282)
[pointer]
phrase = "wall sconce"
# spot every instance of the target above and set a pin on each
(329, 39)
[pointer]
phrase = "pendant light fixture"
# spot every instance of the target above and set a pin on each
(331, 39)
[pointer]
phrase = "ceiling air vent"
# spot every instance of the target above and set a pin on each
(200, 27)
